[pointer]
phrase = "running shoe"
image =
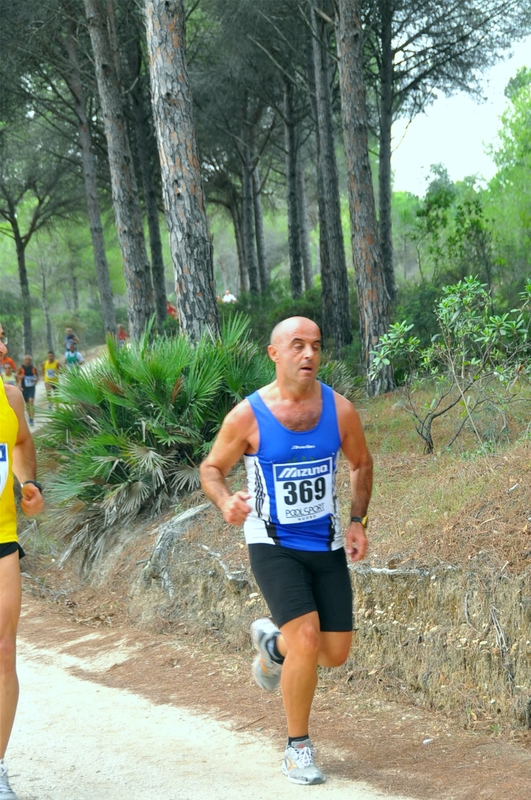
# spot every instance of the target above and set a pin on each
(266, 672)
(6, 792)
(298, 765)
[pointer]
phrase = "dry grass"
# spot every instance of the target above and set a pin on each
(453, 506)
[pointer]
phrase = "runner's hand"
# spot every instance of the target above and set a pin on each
(235, 508)
(356, 541)
(32, 501)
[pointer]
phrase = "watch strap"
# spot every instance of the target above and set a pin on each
(34, 483)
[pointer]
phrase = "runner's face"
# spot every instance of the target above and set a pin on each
(297, 351)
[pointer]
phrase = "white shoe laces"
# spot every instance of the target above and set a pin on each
(304, 756)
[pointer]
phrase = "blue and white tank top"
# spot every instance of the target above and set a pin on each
(291, 480)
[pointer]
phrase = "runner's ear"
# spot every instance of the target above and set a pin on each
(272, 352)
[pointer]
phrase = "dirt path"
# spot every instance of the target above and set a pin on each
(76, 739)
(112, 712)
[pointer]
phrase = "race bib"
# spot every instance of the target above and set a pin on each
(50, 373)
(4, 467)
(29, 380)
(303, 492)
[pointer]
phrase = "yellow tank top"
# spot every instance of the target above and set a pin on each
(8, 438)
(51, 371)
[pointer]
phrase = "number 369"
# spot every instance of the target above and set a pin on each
(304, 491)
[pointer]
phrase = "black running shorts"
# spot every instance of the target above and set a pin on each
(297, 582)
(8, 548)
(28, 393)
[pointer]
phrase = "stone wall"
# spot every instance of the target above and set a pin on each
(447, 637)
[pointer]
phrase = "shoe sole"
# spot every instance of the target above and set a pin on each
(258, 671)
(301, 781)
(255, 632)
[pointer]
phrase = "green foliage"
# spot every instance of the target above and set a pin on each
(416, 302)
(453, 235)
(508, 192)
(10, 317)
(476, 360)
(130, 429)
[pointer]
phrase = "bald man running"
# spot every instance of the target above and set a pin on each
(290, 433)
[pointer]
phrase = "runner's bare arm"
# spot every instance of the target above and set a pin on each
(24, 458)
(354, 447)
(231, 443)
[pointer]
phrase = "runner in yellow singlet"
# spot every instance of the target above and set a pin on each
(17, 457)
(50, 372)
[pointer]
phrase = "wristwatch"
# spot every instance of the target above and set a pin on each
(364, 520)
(34, 483)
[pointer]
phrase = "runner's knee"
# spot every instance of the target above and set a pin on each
(306, 641)
(7, 654)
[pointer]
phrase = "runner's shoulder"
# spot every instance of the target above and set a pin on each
(241, 418)
(344, 407)
(14, 396)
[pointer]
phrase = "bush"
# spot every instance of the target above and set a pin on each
(130, 429)
(476, 361)
(416, 302)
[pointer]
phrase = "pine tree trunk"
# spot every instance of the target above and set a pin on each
(373, 298)
(304, 228)
(46, 311)
(248, 223)
(248, 227)
(27, 333)
(75, 292)
(386, 122)
(292, 198)
(237, 224)
(141, 112)
(75, 85)
(340, 323)
(327, 301)
(126, 204)
(259, 230)
(190, 241)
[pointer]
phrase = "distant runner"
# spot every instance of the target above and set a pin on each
(50, 371)
(70, 336)
(17, 456)
(73, 357)
(27, 379)
(121, 335)
(228, 297)
(8, 376)
(289, 434)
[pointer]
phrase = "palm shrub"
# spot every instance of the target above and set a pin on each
(129, 430)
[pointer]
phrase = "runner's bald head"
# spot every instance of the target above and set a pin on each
(289, 326)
